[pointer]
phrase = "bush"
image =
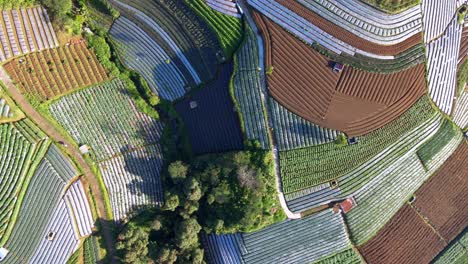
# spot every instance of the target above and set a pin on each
(269, 70)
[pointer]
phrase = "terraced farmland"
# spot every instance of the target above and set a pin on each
(75, 199)
(22, 147)
(292, 241)
(303, 81)
(132, 180)
(436, 19)
(41, 205)
(460, 115)
(348, 256)
(312, 28)
(142, 54)
(210, 118)
(346, 185)
(368, 23)
(405, 239)
(292, 131)
(381, 198)
(456, 252)
(9, 112)
(54, 72)
(442, 59)
(307, 167)
(124, 142)
(443, 198)
(190, 33)
(105, 118)
(228, 28)
(227, 7)
(25, 30)
(249, 89)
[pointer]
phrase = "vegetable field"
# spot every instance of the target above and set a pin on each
(9, 112)
(405, 239)
(24, 31)
(348, 256)
(22, 146)
(294, 241)
(446, 132)
(443, 198)
(210, 118)
(248, 90)
(105, 118)
(197, 42)
(306, 167)
(228, 28)
(456, 252)
(54, 72)
(39, 206)
(142, 54)
(124, 142)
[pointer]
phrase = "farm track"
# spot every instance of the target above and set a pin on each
(303, 82)
(44, 125)
(346, 35)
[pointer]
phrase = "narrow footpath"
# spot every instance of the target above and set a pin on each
(264, 97)
(53, 134)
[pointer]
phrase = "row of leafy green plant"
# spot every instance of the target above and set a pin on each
(443, 136)
(306, 167)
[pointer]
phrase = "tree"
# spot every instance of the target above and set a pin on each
(178, 171)
(192, 189)
(58, 9)
(186, 233)
(167, 256)
(133, 245)
(171, 201)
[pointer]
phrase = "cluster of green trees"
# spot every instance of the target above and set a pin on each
(224, 193)
(16, 3)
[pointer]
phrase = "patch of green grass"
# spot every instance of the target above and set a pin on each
(228, 29)
(392, 6)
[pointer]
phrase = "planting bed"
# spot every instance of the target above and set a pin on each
(76, 200)
(348, 256)
(227, 7)
(460, 115)
(248, 90)
(40, 206)
(456, 252)
(307, 167)
(292, 241)
(142, 54)
(191, 34)
(22, 146)
(124, 142)
(405, 239)
(210, 118)
(430, 148)
(24, 31)
(303, 81)
(227, 28)
(105, 118)
(442, 59)
(442, 200)
(435, 18)
(54, 72)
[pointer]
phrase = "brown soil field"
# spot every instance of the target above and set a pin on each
(353, 101)
(443, 199)
(405, 239)
(54, 72)
(463, 46)
(348, 37)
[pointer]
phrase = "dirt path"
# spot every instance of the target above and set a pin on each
(47, 128)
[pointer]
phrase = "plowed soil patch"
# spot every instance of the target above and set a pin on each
(352, 101)
(348, 37)
(405, 239)
(444, 198)
(463, 46)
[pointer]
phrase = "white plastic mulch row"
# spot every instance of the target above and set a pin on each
(25, 30)
(227, 7)
(367, 22)
(442, 59)
(65, 240)
(78, 206)
(306, 30)
(437, 15)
